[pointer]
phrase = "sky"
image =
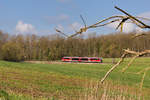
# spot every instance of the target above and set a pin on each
(41, 17)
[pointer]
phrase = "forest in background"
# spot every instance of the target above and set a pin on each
(54, 47)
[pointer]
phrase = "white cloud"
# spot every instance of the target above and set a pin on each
(23, 28)
(145, 15)
(127, 27)
(57, 19)
(69, 29)
(75, 26)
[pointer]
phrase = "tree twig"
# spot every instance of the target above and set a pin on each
(145, 26)
(131, 61)
(118, 63)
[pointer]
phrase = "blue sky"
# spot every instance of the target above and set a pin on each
(42, 16)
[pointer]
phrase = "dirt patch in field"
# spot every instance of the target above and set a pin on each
(59, 62)
(45, 62)
(39, 84)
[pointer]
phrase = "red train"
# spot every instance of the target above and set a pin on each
(82, 59)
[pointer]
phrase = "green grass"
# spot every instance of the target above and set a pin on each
(26, 81)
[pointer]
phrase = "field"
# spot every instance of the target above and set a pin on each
(72, 81)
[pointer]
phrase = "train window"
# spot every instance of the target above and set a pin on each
(75, 58)
(94, 59)
(66, 58)
(84, 59)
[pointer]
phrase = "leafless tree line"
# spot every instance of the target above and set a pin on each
(54, 47)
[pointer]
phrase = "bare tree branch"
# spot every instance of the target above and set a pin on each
(83, 20)
(126, 51)
(94, 26)
(113, 19)
(57, 30)
(119, 62)
(123, 21)
(84, 29)
(143, 77)
(131, 61)
(132, 17)
(139, 35)
(143, 18)
(137, 53)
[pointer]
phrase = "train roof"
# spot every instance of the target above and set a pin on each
(81, 57)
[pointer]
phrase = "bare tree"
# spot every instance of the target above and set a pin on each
(128, 51)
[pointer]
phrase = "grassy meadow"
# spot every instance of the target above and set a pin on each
(72, 81)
